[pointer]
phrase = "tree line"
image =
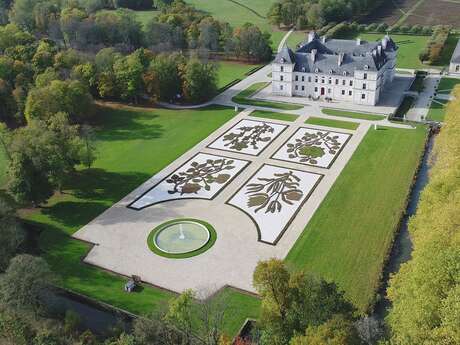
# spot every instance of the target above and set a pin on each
(425, 293)
(315, 14)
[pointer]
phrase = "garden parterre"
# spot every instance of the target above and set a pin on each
(259, 208)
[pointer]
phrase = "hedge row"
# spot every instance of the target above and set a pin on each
(433, 49)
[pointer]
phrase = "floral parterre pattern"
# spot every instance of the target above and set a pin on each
(248, 137)
(273, 196)
(202, 177)
(313, 147)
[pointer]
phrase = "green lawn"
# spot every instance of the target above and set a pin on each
(447, 84)
(237, 15)
(243, 98)
(437, 110)
(352, 114)
(349, 236)
(133, 144)
(230, 71)
(273, 115)
(295, 38)
(332, 123)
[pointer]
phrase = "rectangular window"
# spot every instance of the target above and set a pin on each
(303, 88)
(282, 78)
(330, 80)
(322, 80)
(316, 79)
(343, 92)
(297, 87)
(281, 87)
(329, 91)
(296, 78)
(351, 82)
(282, 69)
(364, 86)
(365, 76)
(303, 78)
(309, 79)
(316, 89)
(336, 82)
(343, 82)
(350, 93)
(363, 96)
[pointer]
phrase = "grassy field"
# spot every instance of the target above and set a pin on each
(295, 38)
(273, 115)
(145, 16)
(437, 110)
(235, 14)
(243, 98)
(352, 114)
(133, 144)
(230, 71)
(332, 123)
(349, 236)
(446, 85)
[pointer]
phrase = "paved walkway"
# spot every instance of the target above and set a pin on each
(120, 233)
(419, 110)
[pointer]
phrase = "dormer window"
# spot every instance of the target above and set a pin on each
(331, 71)
(316, 70)
(345, 73)
(366, 67)
(282, 60)
(303, 69)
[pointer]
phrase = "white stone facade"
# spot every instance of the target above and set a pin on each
(360, 86)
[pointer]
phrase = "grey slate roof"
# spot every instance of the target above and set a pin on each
(456, 54)
(365, 56)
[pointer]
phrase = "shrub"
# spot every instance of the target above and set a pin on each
(416, 29)
(362, 27)
(371, 27)
(426, 30)
(71, 322)
(405, 28)
(382, 27)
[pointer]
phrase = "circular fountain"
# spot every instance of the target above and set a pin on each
(181, 238)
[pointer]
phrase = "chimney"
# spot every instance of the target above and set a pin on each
(374, 52)
(323, 39)
(384, 42)
(379, 50)
(358, 41)
(311, 36)
(340, 59)
(313, 55)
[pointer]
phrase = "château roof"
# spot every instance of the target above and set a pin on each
(335, 56)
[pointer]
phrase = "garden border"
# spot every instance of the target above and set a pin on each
(189, 198)
(311, 165)
(286, 126)
(294, 215)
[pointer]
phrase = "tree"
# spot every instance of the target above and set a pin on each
(293, 302)
(128, 74)
(24, 283)
(336, 331)
(252, 44)
(180, 314)
(199, 81)
(11, 235)
(425, 291)
(88, 154)
(162, 78)
(69, 96)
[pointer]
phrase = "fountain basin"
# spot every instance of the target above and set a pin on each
(181, 238)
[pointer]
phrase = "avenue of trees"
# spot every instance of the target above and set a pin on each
(425, 293)
(314, 13)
